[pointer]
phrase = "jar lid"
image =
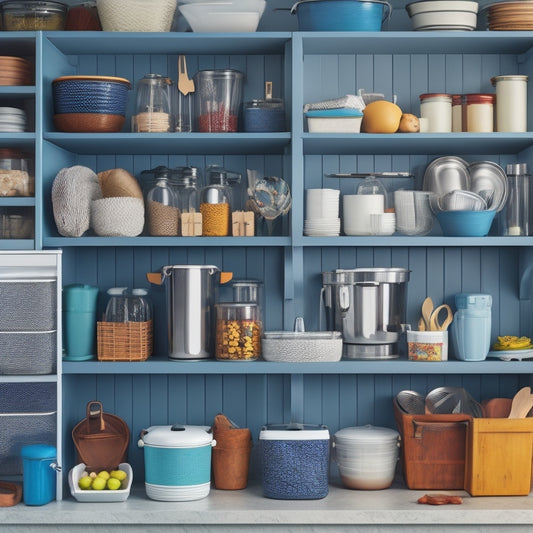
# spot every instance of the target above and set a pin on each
(467, 300)
(480, 98)
(511, 77)
(293, 431)
(38, 451)
(457, 99)
(177, 436)
(269, 103)
(428, 96)
(367, 433)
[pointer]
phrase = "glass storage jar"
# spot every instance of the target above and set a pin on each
(511, 103)
(215, 206)
(478, 113)
(155, 105)
(162, 206)
(16, 173)
(238, 332)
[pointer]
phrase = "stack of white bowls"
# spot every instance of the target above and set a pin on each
(322, 212)
(12, 120)
(366, 456)
(358, 210)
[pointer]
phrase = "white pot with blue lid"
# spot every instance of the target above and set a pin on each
(177, 462)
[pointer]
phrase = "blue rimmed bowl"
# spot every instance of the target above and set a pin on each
(90, 94)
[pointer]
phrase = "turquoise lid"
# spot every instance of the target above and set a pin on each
(39, 451)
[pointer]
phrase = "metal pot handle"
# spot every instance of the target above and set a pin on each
(343, 298)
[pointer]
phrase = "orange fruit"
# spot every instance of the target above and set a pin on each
(381, 116)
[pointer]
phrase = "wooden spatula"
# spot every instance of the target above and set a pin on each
(522, 403)
(185, 84)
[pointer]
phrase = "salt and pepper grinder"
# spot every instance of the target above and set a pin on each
(515, 214)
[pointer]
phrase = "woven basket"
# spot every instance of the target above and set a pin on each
(136, 15)
(124, 341)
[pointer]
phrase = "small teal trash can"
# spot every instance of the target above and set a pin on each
(39, 476)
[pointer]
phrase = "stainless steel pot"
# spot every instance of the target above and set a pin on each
(191, 295)
(368, 305)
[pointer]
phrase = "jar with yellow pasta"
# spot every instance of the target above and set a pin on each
(215, 206)
(238, 332)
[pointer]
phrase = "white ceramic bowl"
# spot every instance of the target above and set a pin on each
(443, 14)
(119, 495)
(235, 16)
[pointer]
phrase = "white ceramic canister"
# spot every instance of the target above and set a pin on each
(478, 113)
(511, 103)
(437, 108)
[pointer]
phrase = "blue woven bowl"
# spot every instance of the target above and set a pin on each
(86, 94)
(465, 223)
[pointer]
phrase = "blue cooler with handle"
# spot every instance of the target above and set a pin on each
(295, 461)
(39, 477)
(177, 462)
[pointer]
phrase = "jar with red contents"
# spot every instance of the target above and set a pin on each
(218, 101)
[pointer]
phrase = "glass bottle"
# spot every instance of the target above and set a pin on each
(515, 214)
(162, 206)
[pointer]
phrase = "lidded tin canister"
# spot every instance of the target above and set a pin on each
(511, 103)
(478, 113)
(437, 108)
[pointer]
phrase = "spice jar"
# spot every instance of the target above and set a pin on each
(477, 113)
(162, 205)
(238, 332)
(437, 108)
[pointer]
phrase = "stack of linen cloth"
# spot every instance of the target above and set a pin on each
(342, 115)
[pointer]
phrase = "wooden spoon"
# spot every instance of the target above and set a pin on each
(522, 403)
(185, 84)
(427, 309)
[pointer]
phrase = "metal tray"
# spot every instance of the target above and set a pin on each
(489, 176)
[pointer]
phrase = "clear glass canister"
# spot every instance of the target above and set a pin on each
(457, 113)
(238, 332)
(437, 108)
(185, 181)
(162, 207)
(16, 173)
(511, 103)
(218, 100)
(478, 113)
(155, 105)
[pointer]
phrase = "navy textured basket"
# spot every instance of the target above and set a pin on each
(295, 462)
(90, 96)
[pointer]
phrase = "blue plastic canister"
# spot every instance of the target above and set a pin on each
(471, 326)
(341, 15)
(39, 477)
(295, 460)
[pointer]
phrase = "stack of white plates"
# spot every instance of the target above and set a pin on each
(12, 120)
(322, 212)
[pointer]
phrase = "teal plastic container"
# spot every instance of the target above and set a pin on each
(79, 321)
(39, 478)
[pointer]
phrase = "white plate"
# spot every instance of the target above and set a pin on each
(119, 495)
(509, 355)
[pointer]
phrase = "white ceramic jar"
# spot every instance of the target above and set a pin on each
(437, 108)
(478, 113)
(511, 103)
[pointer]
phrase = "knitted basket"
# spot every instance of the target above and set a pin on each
(136, 15)
(117, 217)
(72, 192)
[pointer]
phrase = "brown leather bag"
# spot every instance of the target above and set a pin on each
(101, 439)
